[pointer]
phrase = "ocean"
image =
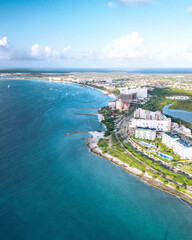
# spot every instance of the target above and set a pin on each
(53, 188)
(100, 70)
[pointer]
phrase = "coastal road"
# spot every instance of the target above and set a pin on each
(123, 124)
(149, 168)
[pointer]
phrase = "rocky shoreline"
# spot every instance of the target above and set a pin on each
(92, 145)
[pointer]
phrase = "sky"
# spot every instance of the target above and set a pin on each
(96, 34)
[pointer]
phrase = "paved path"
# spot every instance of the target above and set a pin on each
(149, 168)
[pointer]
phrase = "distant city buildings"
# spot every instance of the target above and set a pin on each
(127, 98)
(140, 93)
(109, 87)
(179, 97)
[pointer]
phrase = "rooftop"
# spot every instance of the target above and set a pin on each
(184, 144)
(146, 128)
(172, 136)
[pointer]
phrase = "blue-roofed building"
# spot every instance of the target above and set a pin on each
(181, 148)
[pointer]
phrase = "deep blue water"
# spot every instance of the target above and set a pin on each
(52, 188)
(184, 115)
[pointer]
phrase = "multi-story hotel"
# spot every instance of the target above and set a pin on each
(145, 133)
(148, 115)
(181, 148)
(147, 119)
(119, 105)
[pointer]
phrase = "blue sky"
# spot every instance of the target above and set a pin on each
(96, 33)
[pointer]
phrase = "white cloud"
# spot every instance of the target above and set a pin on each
(115, 3)
(189, 9)
(178, 56)
(3, 41)
(125, 47)
(47, 52)
(132, 2)
(112, 5)
(35, 50)
(8, 52)
(187, 54)
(67, 48)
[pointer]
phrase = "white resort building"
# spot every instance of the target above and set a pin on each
(145, 133)
(148, 115)
(179, 147)
(147, 119)
(140, 92)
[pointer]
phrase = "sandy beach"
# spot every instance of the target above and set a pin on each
(100, 117)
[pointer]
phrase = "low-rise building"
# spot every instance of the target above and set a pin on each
(109, 87)
(183, 130)
(179, 97)
(145, 133)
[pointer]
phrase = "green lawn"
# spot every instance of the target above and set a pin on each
(157, 166)
(168, 151)
(158, 100)
(118, 152)
(103, 143)
(182, 105)
(187, 168)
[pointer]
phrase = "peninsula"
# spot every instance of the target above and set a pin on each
(153, 146)
(140, 138)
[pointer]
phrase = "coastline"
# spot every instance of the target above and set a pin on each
(111, 95)
(100, 118)
(175, 109)
(91, 143)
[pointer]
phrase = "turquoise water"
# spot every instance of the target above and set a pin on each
(52, 188)
(165, 156)
(145, 144)
(184, 115)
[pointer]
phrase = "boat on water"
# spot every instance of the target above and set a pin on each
(8, 86)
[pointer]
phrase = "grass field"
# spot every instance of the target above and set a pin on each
(157, 166)
(158, 100)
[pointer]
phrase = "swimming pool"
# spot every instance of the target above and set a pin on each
(145, 144)
(168, 157)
